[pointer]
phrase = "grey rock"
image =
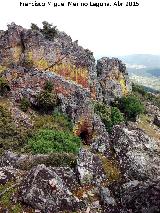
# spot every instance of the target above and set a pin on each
(89, 168)
(113, 78)
(106, 197)
(101, 141)
(157, 120)
(45, 190)
(140, 197)
(7, 174)
(27, 161)
(138, 154)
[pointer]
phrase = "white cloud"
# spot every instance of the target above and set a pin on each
(105, 31)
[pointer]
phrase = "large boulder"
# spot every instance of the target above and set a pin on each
(49, 191)
(133, 196)
(138, 154)
(89, 168)
(138, 197)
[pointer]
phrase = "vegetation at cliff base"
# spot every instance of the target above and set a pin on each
(109, 115)
(47, 99)
(131, 106)
(10, 135)
(24, 104)
(4, 86)
(49, 141)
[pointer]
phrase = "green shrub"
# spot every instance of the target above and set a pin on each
(116, 116)
(24, 104)
(131, 106)
(48, 30)
(140, 89)
(46, 101)
(34, 27)
(48, 86)
(104, 112)
(63, 120)
(109, 115)
(4, 86)
(50, 141)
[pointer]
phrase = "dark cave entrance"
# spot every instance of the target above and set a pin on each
(84, 135)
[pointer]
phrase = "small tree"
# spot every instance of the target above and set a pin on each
(131, 106)
(116, 116)
(24, 104)
(48, 86)
(46, 101)
(48, 30)
(34, 27)
(109, 115)
(4, 86)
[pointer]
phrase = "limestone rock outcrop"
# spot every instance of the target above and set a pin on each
(28, 60)
(113, 78)
(138, 154)
(45, 190)
(116, 172)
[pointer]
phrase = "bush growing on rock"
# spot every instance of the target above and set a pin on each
(48, 86)
(4, 87)
(48, 30)
(34, 27)
(50, 141)
(131, 106)
(24, 104)
(109, 115)
(46, 101)
(116, 116)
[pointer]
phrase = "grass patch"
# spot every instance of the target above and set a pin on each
(57, 121)
(145, 124)
(111, 169)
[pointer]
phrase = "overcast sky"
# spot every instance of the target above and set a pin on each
(107, 31)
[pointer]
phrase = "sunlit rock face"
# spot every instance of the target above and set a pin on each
(113, 78)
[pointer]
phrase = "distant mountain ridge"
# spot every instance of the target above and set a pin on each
(144, 69)
(150, 61)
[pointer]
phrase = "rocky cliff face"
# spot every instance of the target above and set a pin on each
(113, 78)
(28, 59)
(29, 49)
(113, 173)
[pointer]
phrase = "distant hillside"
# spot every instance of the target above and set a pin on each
(144, 69)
